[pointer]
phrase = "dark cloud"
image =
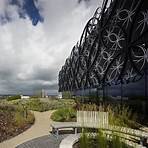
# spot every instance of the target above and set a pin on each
(6, 74)
(27, 87)
(45, 74)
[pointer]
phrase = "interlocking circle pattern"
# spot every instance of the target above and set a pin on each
(113, 48)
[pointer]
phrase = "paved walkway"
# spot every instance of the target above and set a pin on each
(40, 128)
(48, 141)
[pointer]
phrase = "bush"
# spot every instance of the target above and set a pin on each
(13, 98)
(85, 141)
(122, 116)
(51, 104)
(100, 140)
(13, 121)
(119, 115)
(36, 105)
(64, 115)
(22, 116)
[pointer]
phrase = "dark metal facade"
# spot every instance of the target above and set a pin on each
(113, 48)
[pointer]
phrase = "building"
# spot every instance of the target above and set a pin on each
(25, 97)
(59, 96)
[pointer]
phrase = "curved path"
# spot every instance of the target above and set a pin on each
(40, 128)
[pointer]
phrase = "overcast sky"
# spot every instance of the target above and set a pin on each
(36, 39)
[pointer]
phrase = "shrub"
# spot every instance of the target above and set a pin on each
(30, 118)
(22, 116)
(119, 115)
(13, 98)
(122, 116)
(51, 104)
(88, 107)
(36, 105)
(84, 140)
(18, 119)
(14, 120)
(88, 140)
(64, 114)
(101, 139)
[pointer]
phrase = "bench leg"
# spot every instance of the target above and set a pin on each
(57, 132)
(82, 129)
(143, 141)
(76, 130)
(53, 130)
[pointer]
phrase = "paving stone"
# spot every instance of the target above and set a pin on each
(50, 141)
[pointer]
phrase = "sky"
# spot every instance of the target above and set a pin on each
(36, 38)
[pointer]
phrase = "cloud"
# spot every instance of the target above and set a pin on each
(12, 9)
(79, 1)
(31, 56)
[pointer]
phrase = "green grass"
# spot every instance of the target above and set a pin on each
(48, 104)
(122, 116)
(16, 97)
(23, 116)
(100, 140)
(41, 105)
(64, 115)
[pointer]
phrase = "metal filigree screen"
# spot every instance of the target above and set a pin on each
(113, 48)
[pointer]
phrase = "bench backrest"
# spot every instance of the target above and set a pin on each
(92, 118)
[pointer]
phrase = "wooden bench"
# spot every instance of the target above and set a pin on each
(92, 119)
(88, 119)
(97, 120)
(69, 141)
(56, 126)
